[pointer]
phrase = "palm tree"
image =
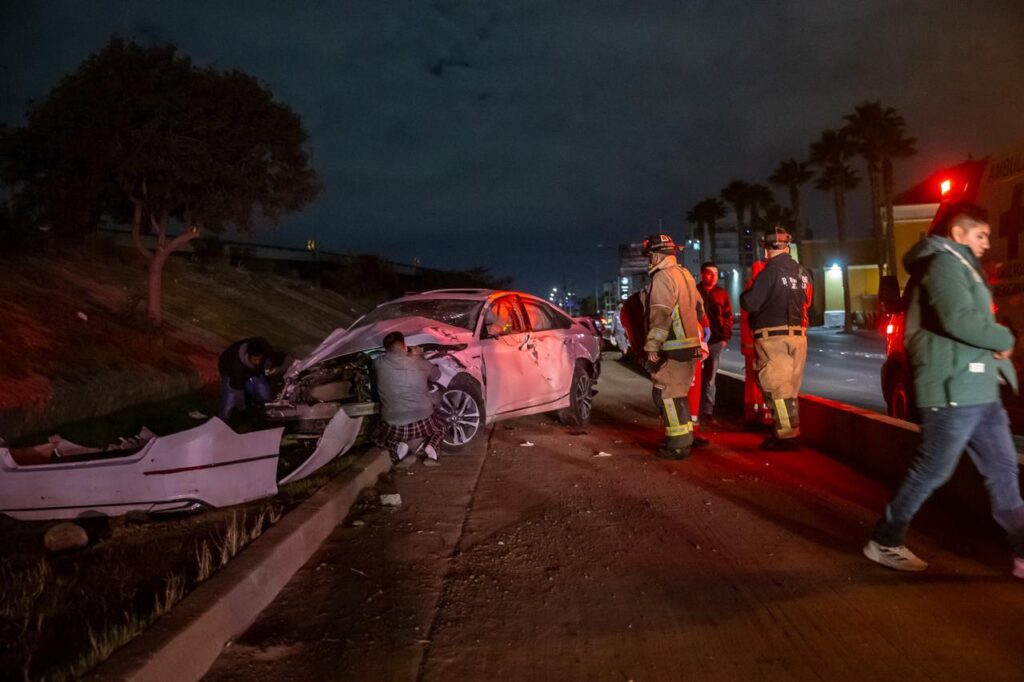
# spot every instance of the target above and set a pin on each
(705, 214)
(897, 145)
(830, 154)
(878, 132)
(782, 216)
(737, 195)
(792, 175)
(758, 198)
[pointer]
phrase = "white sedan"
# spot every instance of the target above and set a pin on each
(502, 354)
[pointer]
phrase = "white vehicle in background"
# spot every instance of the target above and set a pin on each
(502, 354)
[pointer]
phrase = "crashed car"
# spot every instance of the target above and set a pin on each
(502, 354)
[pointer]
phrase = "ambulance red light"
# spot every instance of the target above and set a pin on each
(946, 186)
(889, 328)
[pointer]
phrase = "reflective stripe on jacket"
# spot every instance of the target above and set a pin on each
(674, 311)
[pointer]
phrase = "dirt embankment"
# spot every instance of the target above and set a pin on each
(75, 344)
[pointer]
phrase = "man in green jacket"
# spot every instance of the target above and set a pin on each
(959, 356)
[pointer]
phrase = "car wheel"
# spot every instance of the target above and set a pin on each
(899, 397)
(581, 398)
(464, 409)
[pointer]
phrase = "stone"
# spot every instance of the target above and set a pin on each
(65, 536)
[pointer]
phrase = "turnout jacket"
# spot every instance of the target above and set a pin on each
(674, 310)
(950, 331)
(779, 296)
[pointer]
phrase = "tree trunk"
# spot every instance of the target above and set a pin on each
(794, 206)
(840, 200)
(154, 307)
(875, 186)
(887, 192)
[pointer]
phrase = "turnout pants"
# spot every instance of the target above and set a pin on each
(672, 384)
(780, 369)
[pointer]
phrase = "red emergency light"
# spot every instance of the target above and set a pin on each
(945, 187)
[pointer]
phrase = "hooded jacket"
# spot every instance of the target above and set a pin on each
(951, 332)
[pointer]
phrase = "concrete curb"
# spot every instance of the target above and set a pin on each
(183, 644)
(873, 444)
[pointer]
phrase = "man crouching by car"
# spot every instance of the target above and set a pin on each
(407, 407)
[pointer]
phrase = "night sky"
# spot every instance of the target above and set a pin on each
(519, 134)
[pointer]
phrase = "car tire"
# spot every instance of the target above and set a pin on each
(464, 408)
(581, 397)
(899, 398)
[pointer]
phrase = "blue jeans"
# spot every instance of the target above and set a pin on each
(984, 431)
(257, 389)
(707, 378)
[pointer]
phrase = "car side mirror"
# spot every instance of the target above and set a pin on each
(889, 295)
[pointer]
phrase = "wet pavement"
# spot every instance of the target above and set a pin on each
(584, 557)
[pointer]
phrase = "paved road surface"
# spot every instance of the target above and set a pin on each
(552, 563)
(843, 367)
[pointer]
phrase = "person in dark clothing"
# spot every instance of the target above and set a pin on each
(243, 375)
(718, 309)
(777, 305)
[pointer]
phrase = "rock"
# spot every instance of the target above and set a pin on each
(65, 536)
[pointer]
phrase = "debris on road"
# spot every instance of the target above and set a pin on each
(197, 415)
(391, 500)
(65, 536)
(526, 444)
(603, 454)
(82, 316)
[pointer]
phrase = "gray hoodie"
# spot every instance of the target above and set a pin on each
(405, 395)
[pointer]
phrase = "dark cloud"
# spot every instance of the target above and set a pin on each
(520, 134)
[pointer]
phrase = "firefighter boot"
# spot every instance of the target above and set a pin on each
(678, 429)
(786, 431)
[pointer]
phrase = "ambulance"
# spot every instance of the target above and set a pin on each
(997, 184)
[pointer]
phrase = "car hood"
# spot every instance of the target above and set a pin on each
(417, 331)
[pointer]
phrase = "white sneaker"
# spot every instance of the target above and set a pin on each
(401, 451)
(900, 558)
(1018, 567)
(430, 452)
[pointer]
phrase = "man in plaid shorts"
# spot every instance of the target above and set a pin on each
(407, 408)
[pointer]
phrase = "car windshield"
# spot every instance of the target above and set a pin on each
(457, 313)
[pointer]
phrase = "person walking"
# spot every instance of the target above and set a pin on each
(958, 355)
(672, 344)
(408, 410)
(777, 303)
(718, 309)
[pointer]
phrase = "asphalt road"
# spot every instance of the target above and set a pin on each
(843, 367)
(553, 561)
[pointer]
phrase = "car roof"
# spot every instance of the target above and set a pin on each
(463, 294)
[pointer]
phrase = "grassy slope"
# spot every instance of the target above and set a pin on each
(59, 367)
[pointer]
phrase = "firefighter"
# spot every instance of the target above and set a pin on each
(777, 305)
(673, 341)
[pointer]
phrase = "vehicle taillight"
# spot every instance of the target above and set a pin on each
(889, 328)
(945, 186)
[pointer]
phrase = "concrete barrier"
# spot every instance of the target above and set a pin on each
(874, 444)
(184, 643)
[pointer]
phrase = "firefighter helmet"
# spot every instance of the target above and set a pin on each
(659, 243)
(778, 238)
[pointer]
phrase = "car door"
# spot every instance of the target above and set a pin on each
(513, 378)
(549, 346)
